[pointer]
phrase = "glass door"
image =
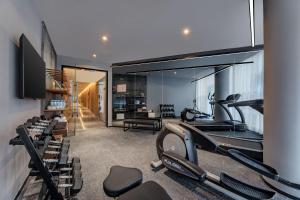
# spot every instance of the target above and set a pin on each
(72, 113)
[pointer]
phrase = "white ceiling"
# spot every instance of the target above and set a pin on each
(141, 29)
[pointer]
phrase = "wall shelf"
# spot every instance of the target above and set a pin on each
(58, 91)
(133, 98)
(55, 110)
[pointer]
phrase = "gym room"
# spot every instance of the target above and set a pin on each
(149, 100)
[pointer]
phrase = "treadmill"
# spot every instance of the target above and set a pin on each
(228, 140)
(252, 148)
(247, 134)
(226, 125)
(192, 114)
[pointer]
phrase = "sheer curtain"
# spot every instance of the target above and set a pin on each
(203, 88)
(247, 80)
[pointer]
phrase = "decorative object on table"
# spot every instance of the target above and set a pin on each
(121, 88)
(137, 102)
(120, 116)
(151, 114)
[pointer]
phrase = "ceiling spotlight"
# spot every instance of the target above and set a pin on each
(94, 55)
(175, 72)
(104, 38)
(186, 31)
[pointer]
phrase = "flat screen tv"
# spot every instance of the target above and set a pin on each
(32, 71)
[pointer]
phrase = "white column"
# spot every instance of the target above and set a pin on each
(282, 90)
(222, 80)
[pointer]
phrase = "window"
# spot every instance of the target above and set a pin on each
(247, 80)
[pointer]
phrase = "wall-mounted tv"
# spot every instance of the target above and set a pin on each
(32, 71)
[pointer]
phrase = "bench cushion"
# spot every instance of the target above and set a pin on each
(147, 191)
(121, 179)
(140, 121)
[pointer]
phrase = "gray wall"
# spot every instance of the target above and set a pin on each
(169, 88)
(16, 17)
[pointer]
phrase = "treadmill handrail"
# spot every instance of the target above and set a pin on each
(241, 114)
(231, 99)
(257, 104)
(226, 110)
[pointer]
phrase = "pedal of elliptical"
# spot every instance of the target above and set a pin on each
(243, 189)
(253, 164)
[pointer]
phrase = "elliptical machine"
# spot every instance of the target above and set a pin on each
(192, 114)
(176, 149)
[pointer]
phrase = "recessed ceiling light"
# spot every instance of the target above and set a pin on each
(94, 55)
(175, 72)
(186, 31)
(104, 38)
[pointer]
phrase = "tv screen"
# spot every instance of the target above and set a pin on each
(32, 71)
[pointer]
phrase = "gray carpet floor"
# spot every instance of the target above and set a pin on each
(99, 148)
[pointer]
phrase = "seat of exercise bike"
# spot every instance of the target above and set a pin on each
(121, 179)
(146, 191)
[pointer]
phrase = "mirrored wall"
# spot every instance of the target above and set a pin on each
(221, 94)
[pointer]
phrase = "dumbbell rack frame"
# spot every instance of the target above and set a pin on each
(167, 110)
(38, 163)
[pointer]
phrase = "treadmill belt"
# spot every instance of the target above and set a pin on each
(248, 135)
(252, 148)
(255, 145)
(208, 125)
(226, 140)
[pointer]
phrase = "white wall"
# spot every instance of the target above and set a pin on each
(16, 17)
(78, 62)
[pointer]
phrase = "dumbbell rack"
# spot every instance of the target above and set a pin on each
(61, 177)
(167, 110)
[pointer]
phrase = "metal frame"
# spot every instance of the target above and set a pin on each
(224, 65)
(85, 68)
(38, 163)
(190, 56)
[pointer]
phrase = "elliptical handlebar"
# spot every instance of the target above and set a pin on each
(211, 96)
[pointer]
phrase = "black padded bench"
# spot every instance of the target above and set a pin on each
(126, 184)
(149, 190)
(154, 124)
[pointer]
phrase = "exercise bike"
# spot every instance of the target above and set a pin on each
(192, 114)
(177, 151)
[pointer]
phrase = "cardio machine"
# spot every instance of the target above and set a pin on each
(248, 142)
(225, 125)
(176, 150)
(193, 114)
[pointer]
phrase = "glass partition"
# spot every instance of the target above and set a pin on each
(220, 95)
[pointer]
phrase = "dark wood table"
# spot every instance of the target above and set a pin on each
(155, 123)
